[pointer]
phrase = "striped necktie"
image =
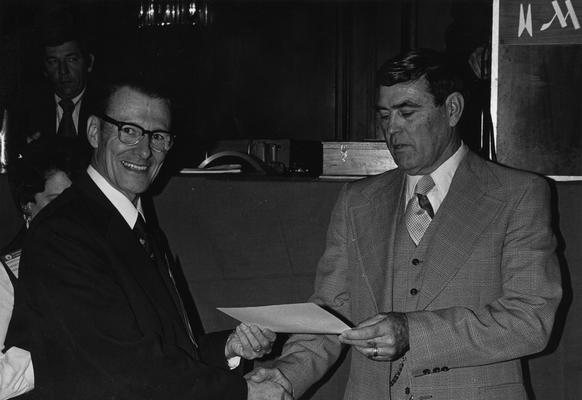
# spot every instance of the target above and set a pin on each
(419, 212)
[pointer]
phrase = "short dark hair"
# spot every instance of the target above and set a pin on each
(442, 75)
(81, 41)
(58, 24)
(140, 80)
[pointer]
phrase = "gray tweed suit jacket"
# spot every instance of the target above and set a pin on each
(489, 293)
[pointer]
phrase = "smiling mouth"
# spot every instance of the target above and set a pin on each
(134, 167)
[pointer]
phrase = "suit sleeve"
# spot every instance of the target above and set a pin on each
(87, 342)
(306, 358)
(519, 321)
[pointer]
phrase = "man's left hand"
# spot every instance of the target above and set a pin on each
(249, 342)
(383, 337)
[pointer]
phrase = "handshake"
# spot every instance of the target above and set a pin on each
(268, 383)
(250, 342)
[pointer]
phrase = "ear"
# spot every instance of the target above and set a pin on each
(93, 131)
(455, 104)
(90, 61)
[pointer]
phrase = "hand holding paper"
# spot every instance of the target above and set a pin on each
(249, 342)
(289, 318)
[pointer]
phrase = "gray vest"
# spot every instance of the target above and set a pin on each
(408, 272)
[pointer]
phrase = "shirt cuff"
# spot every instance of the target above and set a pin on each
(233, 362)
(16, 373)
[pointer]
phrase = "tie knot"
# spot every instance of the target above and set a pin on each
(67, 105)
(424, 185)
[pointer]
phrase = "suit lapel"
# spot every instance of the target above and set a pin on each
(144, 271)
(374, 222)
(466, 211)
(84, 113)
(49, 117)
(163, 265)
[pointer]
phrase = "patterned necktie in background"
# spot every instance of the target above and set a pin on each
(140, 229)
(67, 126)
(419, 211)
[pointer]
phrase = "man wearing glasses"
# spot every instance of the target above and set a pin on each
(97, 293)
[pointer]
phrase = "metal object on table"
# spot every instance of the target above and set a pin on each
(248, 159)
(278, 156)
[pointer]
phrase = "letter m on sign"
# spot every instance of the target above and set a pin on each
(524, 20)
(561, 17)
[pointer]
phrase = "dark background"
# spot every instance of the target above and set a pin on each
(305, 70)
(257, 69)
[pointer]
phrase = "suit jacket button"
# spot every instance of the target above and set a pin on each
(444, 369)
(415, 261)
(413, 291)
(436, 370)
(407, 390)
(426, 371)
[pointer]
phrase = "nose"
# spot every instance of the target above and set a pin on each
(143, 147)
(394, 124)
(63, 68)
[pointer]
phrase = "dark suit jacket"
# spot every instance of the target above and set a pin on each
(36, 114)
(102, 316)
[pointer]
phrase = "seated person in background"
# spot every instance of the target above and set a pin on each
(61, 107)
(38, 179)
(96, 292)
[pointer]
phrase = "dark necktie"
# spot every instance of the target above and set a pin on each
(419, 212)
(67, 126)
(148, 243)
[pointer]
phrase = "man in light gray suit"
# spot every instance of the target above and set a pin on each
(446, 265)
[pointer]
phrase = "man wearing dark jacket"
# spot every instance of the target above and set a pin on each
(97, 291)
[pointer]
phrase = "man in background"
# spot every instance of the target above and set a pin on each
(59, 110)
(446, 265)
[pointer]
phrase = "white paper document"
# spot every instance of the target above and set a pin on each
(289, 318)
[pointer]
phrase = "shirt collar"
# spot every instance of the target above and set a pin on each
(442, 177)
(125, 207)
(75, 99)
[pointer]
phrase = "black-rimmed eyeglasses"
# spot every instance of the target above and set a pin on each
(132, 134)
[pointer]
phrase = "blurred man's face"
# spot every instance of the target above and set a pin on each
(129, 168)
(419, 134)
(55, 184)
(67, 69)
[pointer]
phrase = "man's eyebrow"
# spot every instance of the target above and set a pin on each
(71, 54)
(407, 103)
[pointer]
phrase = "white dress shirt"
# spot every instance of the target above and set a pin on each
(77, 100)
(442, 177)
(16, 371)
(125, 207)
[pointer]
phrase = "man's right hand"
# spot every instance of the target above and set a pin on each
(267, 384)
